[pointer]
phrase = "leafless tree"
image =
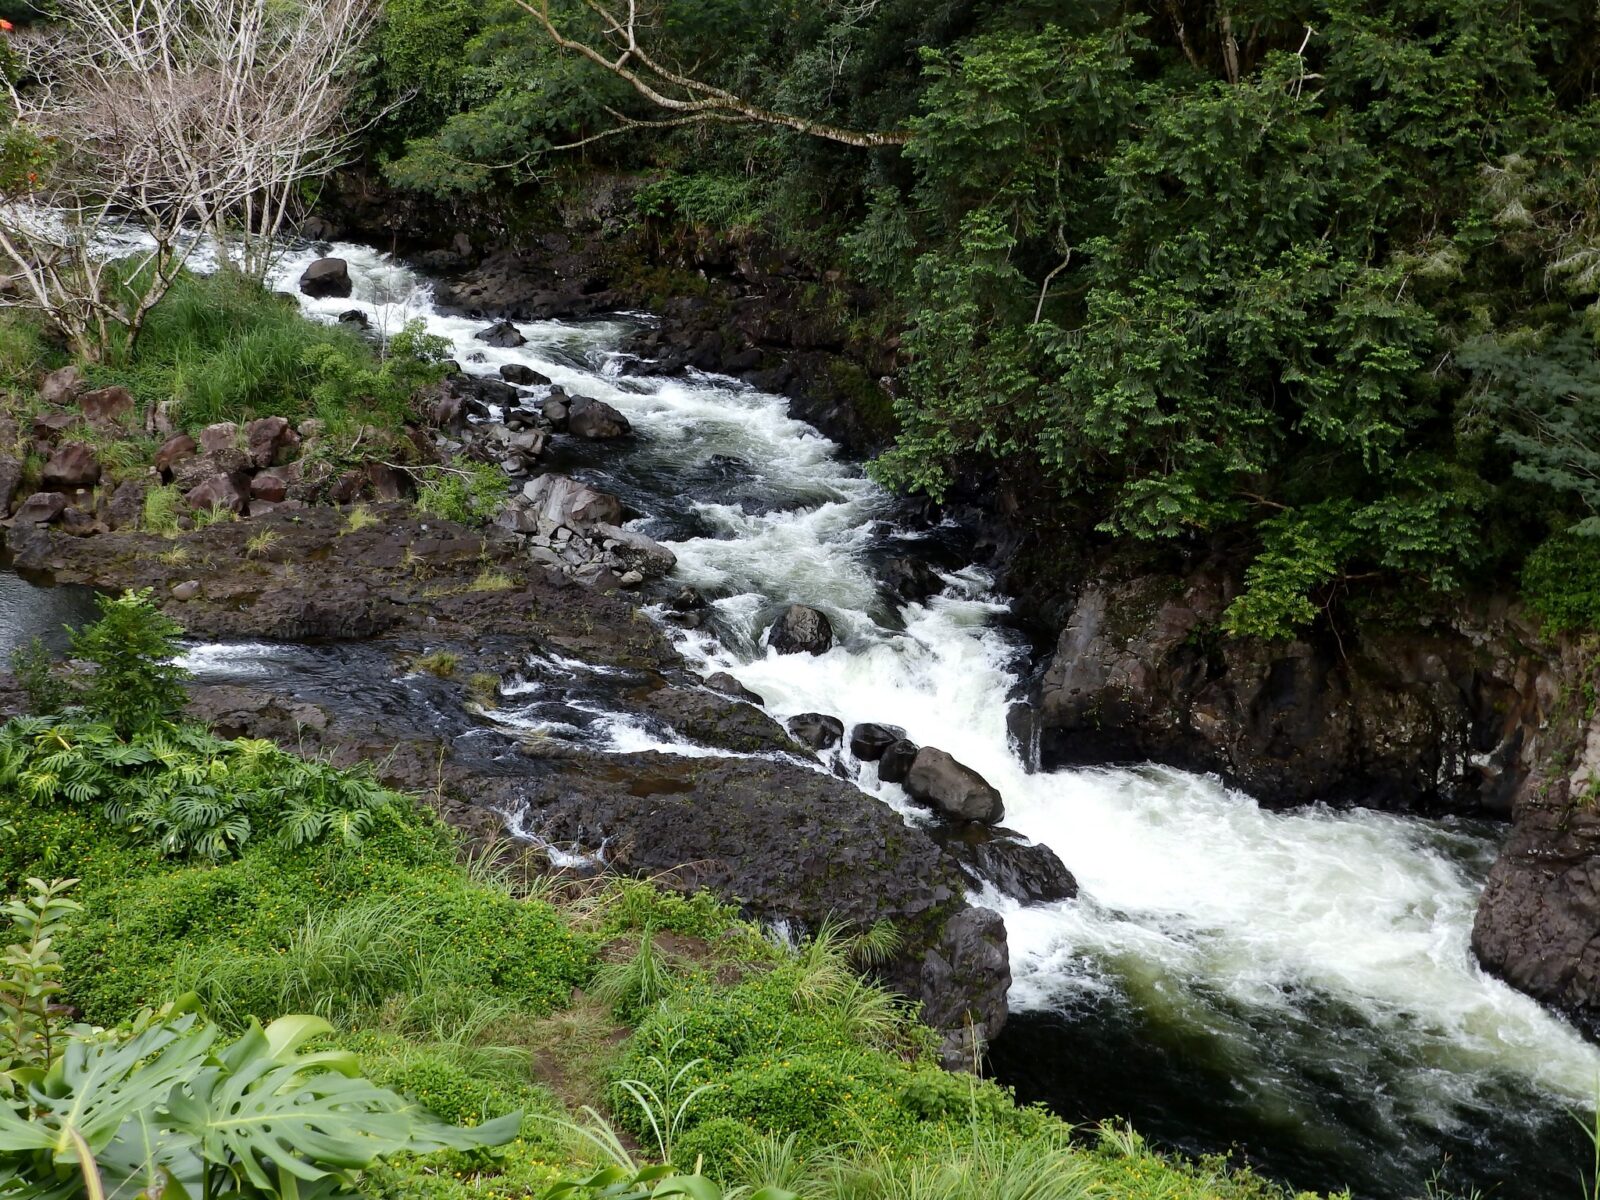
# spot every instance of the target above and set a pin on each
(152, 121)
(624, 27)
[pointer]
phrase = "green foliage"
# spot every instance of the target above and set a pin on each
(1543, 395)
(171, 1107)
(469, 493)
(136, 686)
(723, 202)
(163, 506)
(184, 790)
(1279, 295)
(31, 1029)
(623, 1183)
(34, 668)
(23, 355)
(637, 985)
(1561, 583)
(228, 350)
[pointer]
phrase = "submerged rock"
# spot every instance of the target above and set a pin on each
(868, 741)
(503, 335)
(801, 629)
(817, 730)
(1027, 871)
(327, 277)
(721, 681)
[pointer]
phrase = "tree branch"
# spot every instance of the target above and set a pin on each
(654, 81)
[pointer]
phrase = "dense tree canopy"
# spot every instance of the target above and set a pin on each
(1311, 280)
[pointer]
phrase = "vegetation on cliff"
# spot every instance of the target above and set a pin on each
(1309, 286)
(468, 1028)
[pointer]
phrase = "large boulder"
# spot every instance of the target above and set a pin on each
(214, 439)
(961, 980)
(41, 508)
(70, 469)
(217, 492)
(868, 740)
(636, 551)
(10, 477)
(817, 730)
(1026, 871)
(557, 500)
(173, 451)
(125, 506)
(1385, 714)
(60, 386)
(270, 487)
(595, 420)
(801, 629)
(894, 764)
(502, 335)
(327, 277)
(721, 681)
(791, 843)
(523, 376)
(957, 791)
(107, 405)
(270, 440)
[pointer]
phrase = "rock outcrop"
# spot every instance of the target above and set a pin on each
(1538, 922)
(1435, 718)
(801, 629)
(952, 788)
(327, 277)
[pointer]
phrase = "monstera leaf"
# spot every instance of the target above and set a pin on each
(168, 1107)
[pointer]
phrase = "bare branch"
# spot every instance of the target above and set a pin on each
(159, 120)
(634, 65)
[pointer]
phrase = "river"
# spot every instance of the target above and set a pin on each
(1297, 985)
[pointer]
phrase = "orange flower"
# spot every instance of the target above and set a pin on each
(6, 25)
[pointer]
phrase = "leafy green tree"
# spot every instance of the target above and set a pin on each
(136, 684)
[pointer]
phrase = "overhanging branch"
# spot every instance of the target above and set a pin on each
(696, 100)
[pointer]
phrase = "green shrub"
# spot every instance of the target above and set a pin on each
(468, 493)
(34, 668)
(168, 1098)
(136, 685)
(1561, 583)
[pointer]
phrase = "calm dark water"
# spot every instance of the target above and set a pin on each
(28, 612)
(1105, 1058)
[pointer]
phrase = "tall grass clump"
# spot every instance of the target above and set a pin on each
(229, 350)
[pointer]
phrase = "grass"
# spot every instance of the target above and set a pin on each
(262, 543)
(361, 517)
(483, 689)
(478, 987)
(491, 581)
(442, 663)
(217, 514)
(162, 507)
(228, 350)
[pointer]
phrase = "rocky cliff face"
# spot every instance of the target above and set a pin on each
(1538, 924)
(1441, 717)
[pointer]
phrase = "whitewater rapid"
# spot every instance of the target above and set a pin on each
(1233, 925)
